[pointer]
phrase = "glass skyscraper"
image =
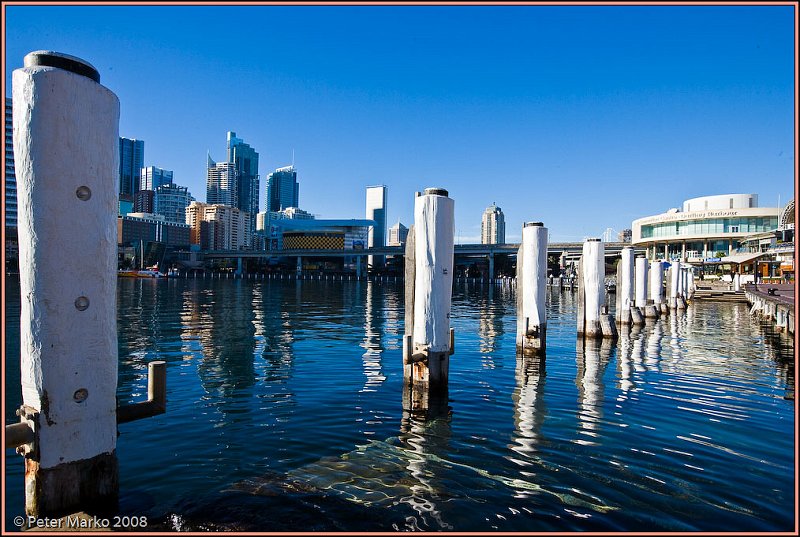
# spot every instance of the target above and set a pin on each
(376, 210)
(245, 160)
(152, 178)
(282, 189)
(131, 162)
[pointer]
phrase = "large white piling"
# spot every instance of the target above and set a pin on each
(532, 289)
(674, 277)
(657, 282)
(625, 295)
(428, 342)
(682, 284)
(656, 291)
(641, 282)
(592, 320)
(66, 149)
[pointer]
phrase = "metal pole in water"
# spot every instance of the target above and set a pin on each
(532, 289)
(68, 276)
(429, 283)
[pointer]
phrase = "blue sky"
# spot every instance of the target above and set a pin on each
(582, 117)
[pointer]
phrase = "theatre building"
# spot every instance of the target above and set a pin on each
(705, 229)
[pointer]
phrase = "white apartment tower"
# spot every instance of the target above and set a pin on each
(493, 226)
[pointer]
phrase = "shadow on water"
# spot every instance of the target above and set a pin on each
(341, 492)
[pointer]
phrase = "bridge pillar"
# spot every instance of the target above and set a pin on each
(239, 266)
(491, 266)
(358, 266)
(299, 265)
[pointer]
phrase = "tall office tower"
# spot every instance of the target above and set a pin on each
(493, 226)
(171, 201)
(398, 234)
(282, 189)
(376, 210)
(245, 159)
(221, 184)
(11, 178)
(152, 178)
(131, 162)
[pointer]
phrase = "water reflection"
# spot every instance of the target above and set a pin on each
(529, 406)
(424, 441)
(374, 306)
(592, 357)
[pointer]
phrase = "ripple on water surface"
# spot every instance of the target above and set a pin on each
(287, 397)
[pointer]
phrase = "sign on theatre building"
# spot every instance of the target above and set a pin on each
(704, 228)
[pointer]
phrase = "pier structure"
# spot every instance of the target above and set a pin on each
(428, 341)
(593, 320)
(532, 289)
(641, 289)
(567, 252)
(772, 303)
(657, 286)
(625, 290)
(68, 276)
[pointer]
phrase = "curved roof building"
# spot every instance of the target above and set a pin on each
(704, 227)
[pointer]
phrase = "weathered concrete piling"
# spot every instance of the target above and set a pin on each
(593, 320)
(656, 287)
(641, 290)
(625, 294)
(532, 290)
(66, 144)
(429, 340)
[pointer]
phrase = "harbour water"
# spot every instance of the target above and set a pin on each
(285, 413)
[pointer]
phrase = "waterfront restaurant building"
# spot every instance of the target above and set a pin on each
(705, 229)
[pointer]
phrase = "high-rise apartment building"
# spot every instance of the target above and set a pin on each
(218, 227)
(131, 162)
(245, 160)
(11, 178)
(376, 211)
(152, 178)
(143, 201)
(625, 235)
(221, 184)
(282, 189)
(170, 201)
(398, 234)
(493, 226)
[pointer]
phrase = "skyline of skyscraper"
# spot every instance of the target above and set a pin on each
(493, 225)
(221, 183)
(131, 162)
(245, 161)
(376, 210)
(282, 189)
(152, 177)
(170, 201)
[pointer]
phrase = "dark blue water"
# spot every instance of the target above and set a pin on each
(285, 413)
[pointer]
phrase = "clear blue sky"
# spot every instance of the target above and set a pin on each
(585, 118)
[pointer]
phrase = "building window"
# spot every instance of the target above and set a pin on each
(734, 229)
(730, 205)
